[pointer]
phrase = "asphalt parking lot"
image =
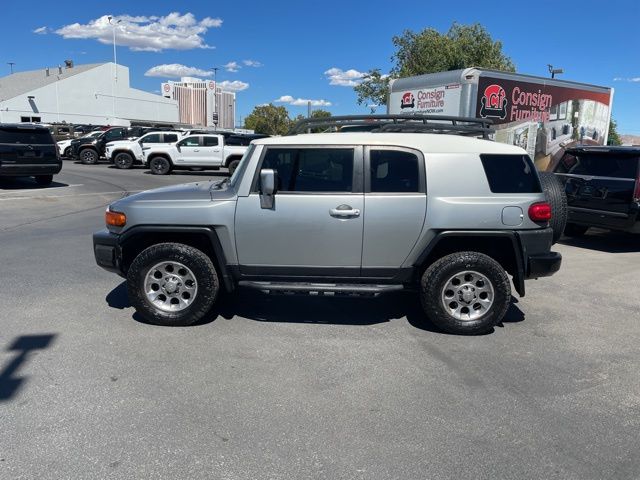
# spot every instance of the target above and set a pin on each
(296, 388)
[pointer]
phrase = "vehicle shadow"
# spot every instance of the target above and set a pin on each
(605, 241)
(26, 183)
(355, 311)
(23, 347)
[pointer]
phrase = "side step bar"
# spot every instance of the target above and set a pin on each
(320, 288)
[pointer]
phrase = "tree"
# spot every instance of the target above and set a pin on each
(268, 120)
(614, 136)
(430, 51)
(320, 113)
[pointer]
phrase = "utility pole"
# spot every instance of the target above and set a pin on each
(11, 64)
(115, 65)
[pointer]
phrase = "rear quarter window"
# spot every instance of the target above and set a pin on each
(510, 173)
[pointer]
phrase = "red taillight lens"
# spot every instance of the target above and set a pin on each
(540, 212)
(636, 192)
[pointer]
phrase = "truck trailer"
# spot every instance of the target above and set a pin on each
(544, 116)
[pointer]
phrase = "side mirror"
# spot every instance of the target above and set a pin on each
(267, 187)
(178, 145)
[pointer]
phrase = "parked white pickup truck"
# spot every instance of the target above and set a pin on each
(124, 153)
(205, 151)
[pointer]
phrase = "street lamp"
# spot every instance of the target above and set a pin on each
(115, 65)
(554, 71)
(215, 96)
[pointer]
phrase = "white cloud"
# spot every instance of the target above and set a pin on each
(252, 63)
(344, 78)
(632, 79)
(41, 30)
(175, 70)
(302, 101)
(234, 86)
(154, 34)
(232, 67)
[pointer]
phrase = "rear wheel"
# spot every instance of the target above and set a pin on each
(557, 198)
(465, 293)
(574, 230)
(123, 160)
(159, 166)
(89, 156)
(44, 180)
(172, 284)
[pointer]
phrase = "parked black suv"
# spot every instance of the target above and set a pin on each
(89, 150)
(603, 188)
(28, 150)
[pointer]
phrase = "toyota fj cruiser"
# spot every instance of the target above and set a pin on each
(413, 204)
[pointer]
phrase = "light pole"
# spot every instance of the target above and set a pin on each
(115, 65)
(11, 64)
(215, 96)
(554, 71)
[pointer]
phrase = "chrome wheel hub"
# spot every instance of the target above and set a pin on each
(170, 286)
(467, 295)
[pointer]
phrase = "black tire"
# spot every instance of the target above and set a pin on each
(557, 198)
(123, 160)
(44, 180)
(436, 277)
(160, 165)
(199, 263)
(233, 164)
(88, 156)
(67, 152)
(575, 230)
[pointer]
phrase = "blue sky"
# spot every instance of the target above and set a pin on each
(295, 43)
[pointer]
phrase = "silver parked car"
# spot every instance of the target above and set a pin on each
(406, 205)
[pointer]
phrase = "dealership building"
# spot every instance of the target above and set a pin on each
(201, 102)
(97, 94)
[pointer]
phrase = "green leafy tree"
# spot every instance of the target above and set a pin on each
(320, 113)
(429, 51)
(614, 136)
(268, 119)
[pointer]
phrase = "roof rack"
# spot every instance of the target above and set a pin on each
(398, 123)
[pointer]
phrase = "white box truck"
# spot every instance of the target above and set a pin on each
(543, 115)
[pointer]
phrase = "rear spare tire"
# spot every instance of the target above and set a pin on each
(557, 198)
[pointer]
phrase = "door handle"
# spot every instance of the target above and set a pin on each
(344, 211)
(196, 149)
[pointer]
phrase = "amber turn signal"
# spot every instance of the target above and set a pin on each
(115, 219)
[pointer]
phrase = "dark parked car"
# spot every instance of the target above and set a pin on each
(28, 150)
(89, 150)
(603, 188)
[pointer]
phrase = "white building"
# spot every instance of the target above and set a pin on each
(199, 105)
(97, 94)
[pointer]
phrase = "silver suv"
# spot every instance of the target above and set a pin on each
(410, 204)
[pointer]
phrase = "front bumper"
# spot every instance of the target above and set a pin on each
(107, 252)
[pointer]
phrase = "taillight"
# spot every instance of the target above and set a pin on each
(540, 212)
(636, 192)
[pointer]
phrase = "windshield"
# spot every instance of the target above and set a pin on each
(241, 166)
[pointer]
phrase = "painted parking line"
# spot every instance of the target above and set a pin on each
(8, 192)
(34, 197)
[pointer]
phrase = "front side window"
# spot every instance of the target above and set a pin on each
(394, 171)
(152, 138)
(311, 169)
(190, 142)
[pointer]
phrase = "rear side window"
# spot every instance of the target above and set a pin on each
(510, 173)
(210, 141)
(26, 136)
(311, 169)
(170, 137)
(599, 165)
(394, 171)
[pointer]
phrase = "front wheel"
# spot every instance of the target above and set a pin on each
(172, 284)
(465, 293)
(159, 166)
(233, 164)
